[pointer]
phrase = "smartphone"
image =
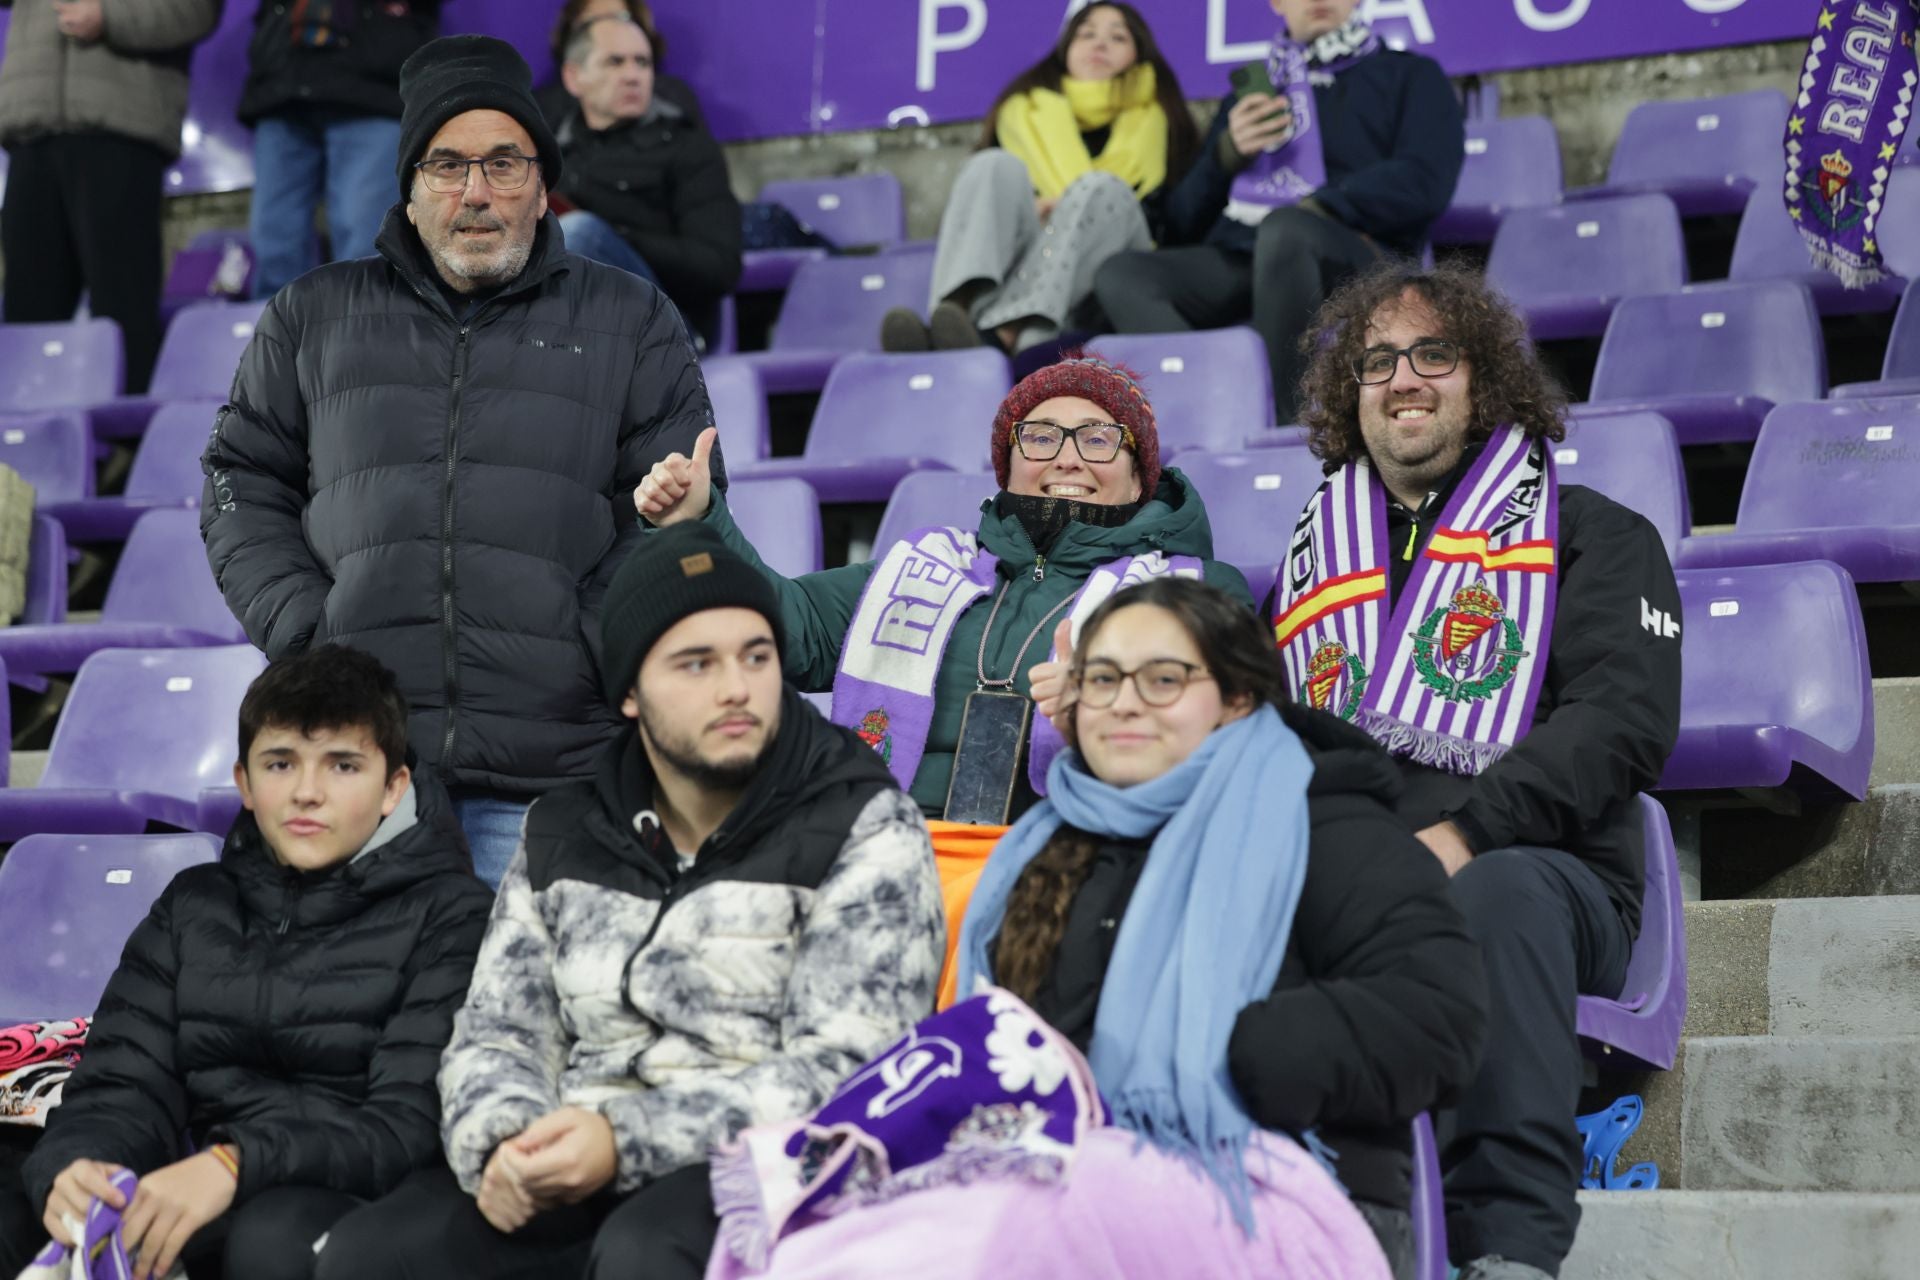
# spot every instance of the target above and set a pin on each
(989, 764)
(1252, 79)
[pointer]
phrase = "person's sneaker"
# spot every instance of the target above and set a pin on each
(902, 331)
(952, 328)
(1494, 1267)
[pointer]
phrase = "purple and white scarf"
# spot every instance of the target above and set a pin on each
(1296, 168)
(1856, 97)
(884, 688)
(984, 1089)
(1450, 678)
(100, 1254)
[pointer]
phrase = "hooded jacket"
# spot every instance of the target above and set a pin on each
(685, 1006)
(451, 493)
(818, 608)
(131, 81)
(298, 1015)
(1381, 1004)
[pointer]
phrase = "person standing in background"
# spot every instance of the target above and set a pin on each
(323, 100)
(92, 94)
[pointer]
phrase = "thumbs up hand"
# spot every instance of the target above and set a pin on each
(1051, 685)
(678, 488)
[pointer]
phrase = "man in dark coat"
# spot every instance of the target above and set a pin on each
(1515, 644)
(282, 1011)
(647, 182)
(430, 454)
(1394, 143)
(322, 98)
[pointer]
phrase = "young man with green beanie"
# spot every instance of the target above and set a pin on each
(737, 911)
(948, 618)
(428, 454)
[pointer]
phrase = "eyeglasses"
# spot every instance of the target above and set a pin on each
(1430, 358)
(1159, 683)
(506, 172)
(1041, 441)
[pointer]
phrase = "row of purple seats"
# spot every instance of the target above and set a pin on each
(856, 211)
(197, 360)
(1900, 368)
(833, 308)
(165, 475)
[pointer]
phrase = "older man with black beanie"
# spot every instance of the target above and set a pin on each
(430, 454)
(738, 910)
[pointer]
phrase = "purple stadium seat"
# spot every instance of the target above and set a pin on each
(143, 733)
(53, 452)
(739, 402)
(726, 329)
(1511, 164)
(1900, 369)
(215, 265)
(1634, 459)
(1253, 501)
(883, 416)
(68, 905)
(1643, 1025)
(1832, 480)
(854, 211)
(166, 474)
(1707, 153)
(1769, 247)
(1428, 1205)
(162, 596)
(781, 518)
(71, 365)
(197, 360)
(46, 575)
(833, 308)
(928, 498)
(1714, 359)
(1566, 268)
(1209, 389)
(1776, 691)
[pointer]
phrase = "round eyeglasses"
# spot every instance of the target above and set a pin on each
(1430, 358)
(1041, 441)
(502, 172)
(1159, 683)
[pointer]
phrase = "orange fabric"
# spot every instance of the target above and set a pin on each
(960, 850)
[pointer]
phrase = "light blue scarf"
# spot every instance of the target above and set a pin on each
(1204, 933)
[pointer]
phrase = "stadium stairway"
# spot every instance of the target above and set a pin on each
(1788, 1132)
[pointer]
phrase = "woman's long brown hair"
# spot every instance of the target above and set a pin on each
(1183, 139)
(1238, 652)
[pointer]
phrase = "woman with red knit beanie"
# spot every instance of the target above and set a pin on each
(915, 641)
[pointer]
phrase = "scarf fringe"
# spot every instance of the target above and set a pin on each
(737, 1203)
(1425, 746)
(1852, 273)
(1154, 1117)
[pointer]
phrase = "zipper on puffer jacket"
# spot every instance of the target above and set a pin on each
(449, 647)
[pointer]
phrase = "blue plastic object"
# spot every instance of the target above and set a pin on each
(1604, 1133)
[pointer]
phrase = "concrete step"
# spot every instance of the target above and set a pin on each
(1896, 729)
(1804, 967)
(25, 767)
(1839, 850)
(1781, 1113)
(1744, 1235)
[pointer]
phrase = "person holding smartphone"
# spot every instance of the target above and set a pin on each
(1369, 142)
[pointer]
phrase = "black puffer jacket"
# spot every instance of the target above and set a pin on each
(661, 182)
(358, 74)
(1381, 1002)
(452, 495)
(298, 1016)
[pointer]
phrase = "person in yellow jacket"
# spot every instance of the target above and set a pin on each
(1073, 157)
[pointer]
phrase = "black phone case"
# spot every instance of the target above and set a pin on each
(989, 760)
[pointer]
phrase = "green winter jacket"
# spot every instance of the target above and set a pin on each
(817, 609)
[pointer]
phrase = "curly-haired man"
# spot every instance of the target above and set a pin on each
(1515, 644)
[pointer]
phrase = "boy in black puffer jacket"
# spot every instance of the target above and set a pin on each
(281, 1012)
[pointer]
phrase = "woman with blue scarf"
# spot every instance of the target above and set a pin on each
(1263, 968)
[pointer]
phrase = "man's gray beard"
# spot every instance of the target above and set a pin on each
(513, 262)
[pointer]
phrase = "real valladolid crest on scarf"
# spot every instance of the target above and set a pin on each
(1845, 129)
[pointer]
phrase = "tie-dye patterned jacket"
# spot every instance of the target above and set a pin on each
(686, 1006)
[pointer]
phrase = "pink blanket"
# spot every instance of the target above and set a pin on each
(1128, 1212)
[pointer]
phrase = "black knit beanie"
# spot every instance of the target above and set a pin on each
(454, 74)
(681, 570)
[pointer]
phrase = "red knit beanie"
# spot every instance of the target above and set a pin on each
(1113, 387)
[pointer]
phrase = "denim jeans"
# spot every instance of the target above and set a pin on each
(591, 236)
(301, 159)
(492, 822)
